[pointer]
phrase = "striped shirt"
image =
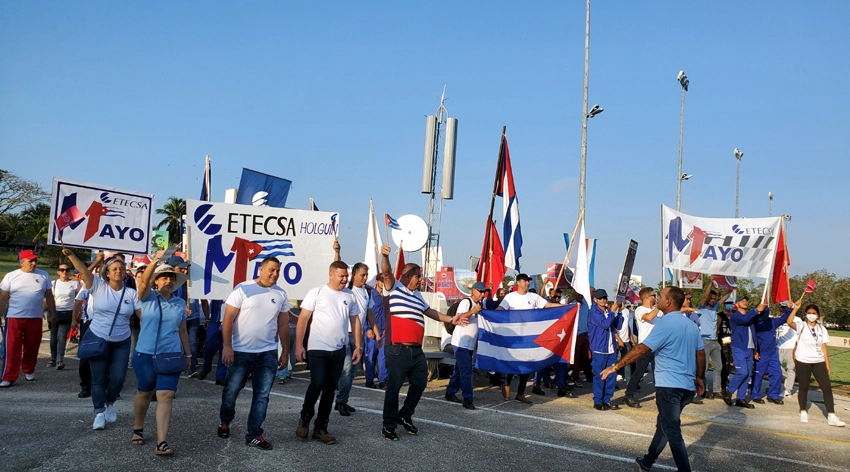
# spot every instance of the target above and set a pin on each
(407, 315)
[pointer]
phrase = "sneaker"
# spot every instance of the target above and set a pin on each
(99, 422)
(302, 430)
(110, 414)
(223, 430)
(343, 409)
(631, 402)
(834, 421)
(29, 377)
(5, 384)
(804, 417)
(260, 443)
(566, 393)
(60, 365)
(407, 424)
(84, 393)
(788, 393)
(579, 384)
(202, 375)
(322, 435)
(192, 374)
(51, 363)
(697, 401)
(281, 380)
(389, 434)
(639, 461)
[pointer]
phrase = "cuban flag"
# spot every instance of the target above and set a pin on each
(391, 222)
(526, 341)
(505, 189)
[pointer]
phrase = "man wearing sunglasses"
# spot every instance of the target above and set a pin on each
(23, 291)
(64, 292)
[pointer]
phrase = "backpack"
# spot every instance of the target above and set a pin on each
(452, 311)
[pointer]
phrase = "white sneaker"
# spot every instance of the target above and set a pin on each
(29, 377)
(5, 384)
(804, 417)
(110, 415)
(834, 421)
(788, 393)
(99, 422)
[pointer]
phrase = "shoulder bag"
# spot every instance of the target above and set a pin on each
(93, 346)
(168, 363)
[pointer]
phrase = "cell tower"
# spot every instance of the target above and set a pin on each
(435, 185)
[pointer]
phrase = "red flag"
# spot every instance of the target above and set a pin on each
(491, 267)
(245, 251)
(399, 264)
(780, 291)
(69, 217)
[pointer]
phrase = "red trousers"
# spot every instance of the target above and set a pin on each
(22, 339)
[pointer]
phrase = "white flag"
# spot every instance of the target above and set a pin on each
(577, 263)
(372, 257)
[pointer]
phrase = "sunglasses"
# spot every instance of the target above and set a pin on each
(62, 270)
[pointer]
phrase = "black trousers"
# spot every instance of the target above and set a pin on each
(640, 369)
(523, 380)
(85, 368)
(403, 363)
(804, 376)
(726, 360)
(325, 367)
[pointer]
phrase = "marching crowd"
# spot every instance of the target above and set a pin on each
(146, 320)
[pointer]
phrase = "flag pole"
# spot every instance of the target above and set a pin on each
(663, 274)
(311, 203)
(208, 178)
(787, 262)
(398, 257)
(487, 233)
(572, 241)
(374, 235)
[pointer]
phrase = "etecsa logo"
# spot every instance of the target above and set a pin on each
(203, 220)
(737, 229)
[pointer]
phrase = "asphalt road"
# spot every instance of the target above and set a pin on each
(44, 426)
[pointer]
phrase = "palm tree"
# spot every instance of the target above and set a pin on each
(173, 211)
(36, 220)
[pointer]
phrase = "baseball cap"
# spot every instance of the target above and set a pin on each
(742, 297)
(480, 287)
(600, 293)
(177, 261)
(523, 277)
(27, 255)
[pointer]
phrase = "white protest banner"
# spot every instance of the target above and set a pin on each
(227, 243)
(115, 220)
(689, 279)
(742, 247)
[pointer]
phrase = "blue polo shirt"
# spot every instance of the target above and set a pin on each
(583, 313)
(675, 341)
(708, 321)
(173, 313)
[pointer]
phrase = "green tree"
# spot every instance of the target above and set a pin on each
(36, 221)
(173, 212)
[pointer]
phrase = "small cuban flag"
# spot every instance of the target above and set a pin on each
(391, 222)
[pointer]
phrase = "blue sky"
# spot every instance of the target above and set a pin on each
(333, 96)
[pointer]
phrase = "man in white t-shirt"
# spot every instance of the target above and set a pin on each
(647, 314)
(363, 299)
(786, 340)
(255, 313)
(522, 299)
(333, 309)
(464, 339)
(625, 333)
(23, 291)
(64, 291)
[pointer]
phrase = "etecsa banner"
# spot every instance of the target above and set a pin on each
(742, 247)
(228, 242)
(114, 219)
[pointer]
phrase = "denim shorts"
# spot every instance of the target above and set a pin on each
(147, 379)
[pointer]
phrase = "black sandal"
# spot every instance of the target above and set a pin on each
(163, 449)
(140, 441)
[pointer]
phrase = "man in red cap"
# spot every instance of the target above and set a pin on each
(22, 291)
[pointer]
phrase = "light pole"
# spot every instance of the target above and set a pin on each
(683, 81)
(770, 196)
(582, 184)
(738, 155)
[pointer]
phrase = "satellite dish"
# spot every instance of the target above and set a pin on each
(413, 234)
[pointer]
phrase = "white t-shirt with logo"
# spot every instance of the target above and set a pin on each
(515, 301)
(255, 326)
(809, 342)
(331, 318)
(26, 292)
(83, 296)
(623, 332)
(103, 306)
(364, 304)
(786, 338)
(466, 336)
(645, 327)
(64, 294)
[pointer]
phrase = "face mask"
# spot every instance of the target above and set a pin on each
(811, 317)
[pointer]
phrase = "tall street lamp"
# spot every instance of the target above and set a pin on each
(582, 183)
(683, 81)
(738, 155)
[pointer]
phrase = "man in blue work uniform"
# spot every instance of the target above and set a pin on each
(374, 355)
(743, 344)
(213, 343)
(604, 341)
(768, 358)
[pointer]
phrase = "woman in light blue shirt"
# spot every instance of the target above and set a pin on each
(163, 331)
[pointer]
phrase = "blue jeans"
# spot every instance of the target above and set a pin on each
(192, 330)
(544, 376)
(743, 360)
(768, 362)
(375, 357)
(668, 427)
(603, 390)
(108, 373)
(212, 344)
(349, 370)
(262, 367)
(462, 374)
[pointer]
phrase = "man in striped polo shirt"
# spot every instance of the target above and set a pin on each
(404, 356)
